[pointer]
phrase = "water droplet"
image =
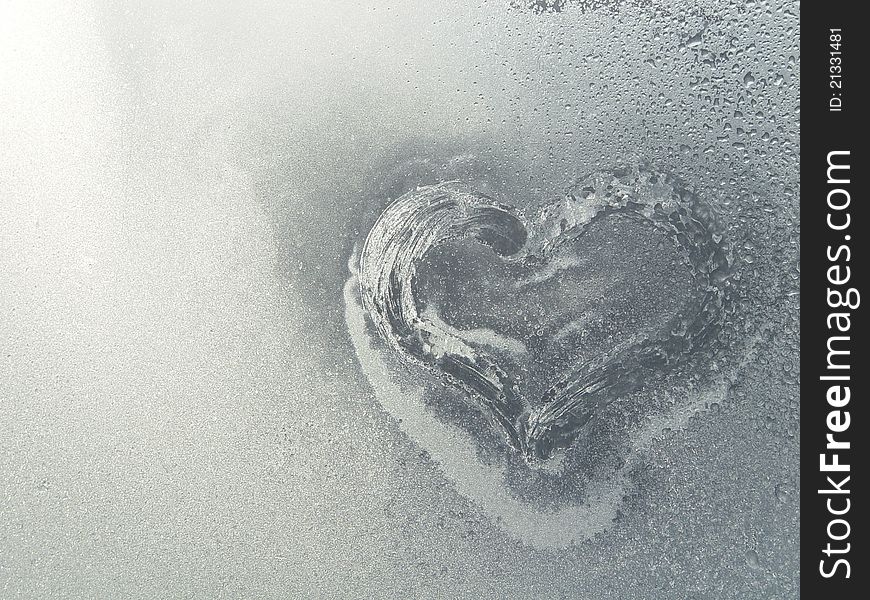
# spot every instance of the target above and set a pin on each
(749, 81)
(752, 560)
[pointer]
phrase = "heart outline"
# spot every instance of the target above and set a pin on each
(432, 215)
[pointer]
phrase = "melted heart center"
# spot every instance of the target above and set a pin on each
(616, 284)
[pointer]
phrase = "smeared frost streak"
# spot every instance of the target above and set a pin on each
(434, 215)
(480, 335)
(551, 270)
(456, 454)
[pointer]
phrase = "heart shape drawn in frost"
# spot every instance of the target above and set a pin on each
(430, 217)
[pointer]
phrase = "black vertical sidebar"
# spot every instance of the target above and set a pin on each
(834, 345)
